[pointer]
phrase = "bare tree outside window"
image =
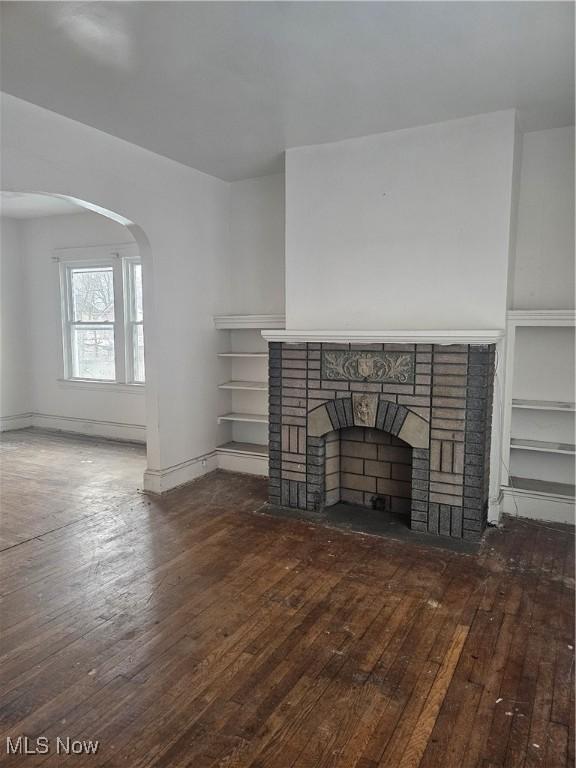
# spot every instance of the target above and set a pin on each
(93, 295)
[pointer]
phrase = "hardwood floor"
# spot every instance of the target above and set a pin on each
(191, 630)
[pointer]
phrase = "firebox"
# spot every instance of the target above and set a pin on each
(397, 427)
(370, 468)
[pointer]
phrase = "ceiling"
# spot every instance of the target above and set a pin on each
(227, 87)
(21, 205)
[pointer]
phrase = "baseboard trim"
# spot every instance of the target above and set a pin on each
(159, 481)
(245, 463)
(17, 421)
(533, 505)
(495, 508)
(114, 430)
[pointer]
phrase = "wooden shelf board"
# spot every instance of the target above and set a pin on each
(542, 445)
(243, 354)
(255, 418)
(542, 317)
(257, 386)
(248, 322)
(246, 449)
(542, 486)
(543, 405)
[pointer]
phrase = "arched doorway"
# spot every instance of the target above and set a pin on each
(91, 362)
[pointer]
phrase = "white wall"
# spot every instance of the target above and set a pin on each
(15, 393)
(93, 409)
(544, 269)
(182, 228)
(403, 230)
(257, 240)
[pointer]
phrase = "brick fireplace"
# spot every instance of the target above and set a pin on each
(403, 428)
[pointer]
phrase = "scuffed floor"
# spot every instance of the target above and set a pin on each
(194, 630)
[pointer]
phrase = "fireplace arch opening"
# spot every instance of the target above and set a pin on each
(359, 451)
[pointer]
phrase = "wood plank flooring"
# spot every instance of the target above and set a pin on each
(193, 630)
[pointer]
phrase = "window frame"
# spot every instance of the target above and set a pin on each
(120, 259)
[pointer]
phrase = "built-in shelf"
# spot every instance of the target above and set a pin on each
(254, 418)
(244, 449)
(543, 446)
(543, 405)
(537, 498)
(545, 487)
(243, 354)
(256, 386)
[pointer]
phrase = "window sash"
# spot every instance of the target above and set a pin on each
(74, 272)
(83, 326)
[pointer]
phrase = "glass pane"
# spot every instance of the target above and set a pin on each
(93, 353)
(93, 295)
(139, 354)
(137, 291)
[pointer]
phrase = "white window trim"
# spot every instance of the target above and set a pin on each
(128, 263)
(118, 257)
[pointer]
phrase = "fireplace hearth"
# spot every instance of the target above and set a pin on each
(400, 427)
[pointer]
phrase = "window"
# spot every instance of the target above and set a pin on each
(102, 319)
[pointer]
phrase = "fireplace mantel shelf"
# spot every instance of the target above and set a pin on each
(391, 337)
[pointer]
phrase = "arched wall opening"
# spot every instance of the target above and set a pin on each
(183, 216)
(132, 410)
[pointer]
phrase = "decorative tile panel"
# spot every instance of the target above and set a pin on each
(382, 367)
